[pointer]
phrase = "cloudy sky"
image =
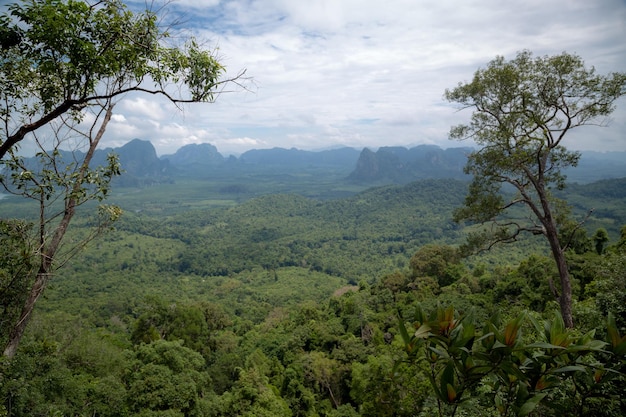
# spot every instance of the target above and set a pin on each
(366, 73)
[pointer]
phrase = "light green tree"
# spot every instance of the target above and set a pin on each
(440, 262)
(63, 66)
(600, 239)
(166, 377)
(523, 111)
(251, 396)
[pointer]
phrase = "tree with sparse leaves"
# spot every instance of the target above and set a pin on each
(63, 66)
(523, 111)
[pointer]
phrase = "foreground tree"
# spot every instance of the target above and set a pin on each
(59, 56)
(523, 111)
(58, 187)
(63, 66)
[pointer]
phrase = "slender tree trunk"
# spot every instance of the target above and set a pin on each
(49, 250)
(565, 297)
(47, 256)
(332, 396)
(551, 232)
(18, 329)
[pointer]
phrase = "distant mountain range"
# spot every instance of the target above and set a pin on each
(387, 165)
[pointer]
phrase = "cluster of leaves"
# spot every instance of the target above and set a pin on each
(59, 56)
(558, 369)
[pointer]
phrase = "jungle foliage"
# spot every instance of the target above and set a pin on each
(285, 305)
(280, 305)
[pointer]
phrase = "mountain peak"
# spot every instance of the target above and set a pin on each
(195, 154)
(401, 165)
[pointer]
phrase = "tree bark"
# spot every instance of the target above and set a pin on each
(552, 234)
(18, 330)
(565, 297)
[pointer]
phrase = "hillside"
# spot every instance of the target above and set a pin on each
(286, 302)
(358, 238)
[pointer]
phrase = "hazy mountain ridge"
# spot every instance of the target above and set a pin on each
(403, 165)
(387, 165)
(297, 158)
(195, 155)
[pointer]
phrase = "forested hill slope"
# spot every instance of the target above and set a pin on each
(604, 189)
(603, 201)
(354, 239)
(293, 297)
(350, 237)
(223, 254)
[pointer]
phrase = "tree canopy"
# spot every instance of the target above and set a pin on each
(122, 331)
(59, 56)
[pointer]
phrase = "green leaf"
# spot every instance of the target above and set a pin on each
(487, 340)
(544, 345)
(618, 342)
(423, 332)
(511, 331)
(447, 382)
(570, 368)
(530, 404)
(402, 328)
(592, 346)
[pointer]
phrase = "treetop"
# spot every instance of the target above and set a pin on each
(59, 56)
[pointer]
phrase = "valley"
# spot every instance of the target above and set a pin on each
(285, 283)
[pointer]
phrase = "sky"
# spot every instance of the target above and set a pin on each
(365, 73)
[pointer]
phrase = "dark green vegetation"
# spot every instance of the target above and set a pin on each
(250, 299)
(207, 302)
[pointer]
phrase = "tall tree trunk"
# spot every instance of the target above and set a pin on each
(17, 331)
(551, 232)
(565, 297)
(47, 257)
(49, 250)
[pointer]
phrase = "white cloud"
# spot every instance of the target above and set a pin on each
(197, 4)
(144, 107)
(322, 67)
(236, 146)
(118, 118)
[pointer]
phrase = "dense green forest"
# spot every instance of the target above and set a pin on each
(287, 305)
(213, 287)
